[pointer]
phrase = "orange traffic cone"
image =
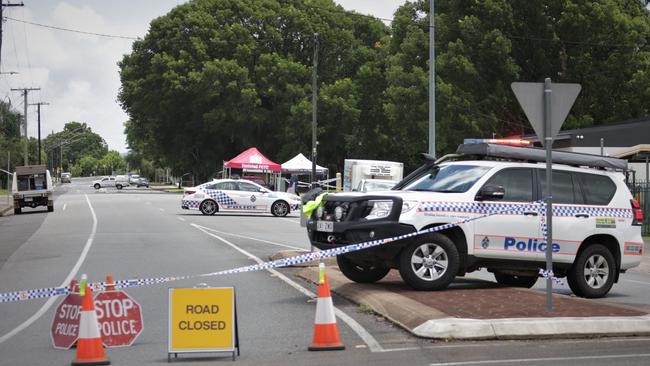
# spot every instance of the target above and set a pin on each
(90, 350)
(326, 333)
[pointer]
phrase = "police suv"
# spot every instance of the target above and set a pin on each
(491, 195)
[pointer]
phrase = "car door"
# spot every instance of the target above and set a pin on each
(509, 235)
(225, 193)
(252, 197)
(110, 182)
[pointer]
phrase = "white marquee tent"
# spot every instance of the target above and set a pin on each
(299, 164)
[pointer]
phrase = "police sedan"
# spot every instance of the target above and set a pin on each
(238, 195)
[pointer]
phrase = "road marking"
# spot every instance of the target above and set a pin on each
(65, 205)
(643, 283)
(249, 238)
(180, 218)
(368, 339)
(528, 360)
(162, 209)
(66, 282)
(290, 220)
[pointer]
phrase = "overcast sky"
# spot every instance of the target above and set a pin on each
(77, 73)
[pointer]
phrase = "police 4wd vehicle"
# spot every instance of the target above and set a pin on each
(596, 221)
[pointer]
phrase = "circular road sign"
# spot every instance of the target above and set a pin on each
(65, 325)
(120, 318)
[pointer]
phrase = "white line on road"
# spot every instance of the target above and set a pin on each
(64, 206)
(162, 209)
(66, 282)
(249, 238)
(372, 343)
(182, 219)
(641, 282)
(528, 360)
(290, 220)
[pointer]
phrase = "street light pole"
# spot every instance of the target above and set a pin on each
(38, 105)
(314, 121)
(432, 80)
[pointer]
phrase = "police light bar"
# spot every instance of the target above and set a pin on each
(512, 142)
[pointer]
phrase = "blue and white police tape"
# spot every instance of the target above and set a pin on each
(550, 275)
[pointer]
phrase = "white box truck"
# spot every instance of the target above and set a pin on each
(32, 187)
(357, 170)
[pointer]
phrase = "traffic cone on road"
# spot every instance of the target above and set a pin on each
(90, 350)
(326, 332)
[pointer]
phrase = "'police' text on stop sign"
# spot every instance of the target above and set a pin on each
(120, 318)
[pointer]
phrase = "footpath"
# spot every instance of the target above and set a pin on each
(477, 309)
(6, 206)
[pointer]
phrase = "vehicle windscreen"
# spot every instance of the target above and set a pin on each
(378, 186)
(31, 182)
(447, 178)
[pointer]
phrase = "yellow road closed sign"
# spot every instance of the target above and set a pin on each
(202, 320)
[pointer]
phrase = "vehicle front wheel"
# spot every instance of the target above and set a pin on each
(361, 273)
(50, 208)
(17, 210)
(592, 274)
(97, 186)
(515, 281)
(430, 262)
(208, 207)
(118, 186)
(280, 209)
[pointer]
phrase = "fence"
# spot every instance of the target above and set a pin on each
(641, 192)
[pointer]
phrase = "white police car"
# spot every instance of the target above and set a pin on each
(238, 195)
(596, 221)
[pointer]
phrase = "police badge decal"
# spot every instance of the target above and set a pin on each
(485, 243)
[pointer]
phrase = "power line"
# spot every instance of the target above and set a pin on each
(71, 30)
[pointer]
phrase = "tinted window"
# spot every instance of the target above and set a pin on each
(518, 184)
(248, 187)
(598, 189)
(562, 186)
(226, 186)
(448, 178)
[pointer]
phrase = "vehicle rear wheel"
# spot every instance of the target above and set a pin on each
(208, 207)
(97, 186)
(515, 281)
(50, 208)
(592, 274)
(17, 210)
(280, 208)
(361, 273)
(118, 186)
(430, 262)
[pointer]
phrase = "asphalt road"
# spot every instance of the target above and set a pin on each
(140, 233)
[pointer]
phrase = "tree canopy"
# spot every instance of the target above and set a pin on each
(213, 77)
(76, 140)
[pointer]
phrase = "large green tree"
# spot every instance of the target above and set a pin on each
(76, 141)
(214, 77)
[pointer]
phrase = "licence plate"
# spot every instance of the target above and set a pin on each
(326, 226)
(28, 199)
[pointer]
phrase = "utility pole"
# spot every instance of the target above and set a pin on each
(314, 99)
(25, 91)
(432, 81)
(2, 7)
(38, 105)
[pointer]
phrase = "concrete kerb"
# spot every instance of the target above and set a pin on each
(427, 322)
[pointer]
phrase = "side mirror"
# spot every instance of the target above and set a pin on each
(491, 193)
(264, 190)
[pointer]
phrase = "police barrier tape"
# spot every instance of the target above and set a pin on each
(487, 209)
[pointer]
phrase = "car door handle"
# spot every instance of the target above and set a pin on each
(585, 216)
(530, 213)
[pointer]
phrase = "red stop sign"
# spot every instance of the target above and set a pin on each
(65, 325)
(120, 318)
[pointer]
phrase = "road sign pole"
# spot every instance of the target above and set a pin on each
(548, 142)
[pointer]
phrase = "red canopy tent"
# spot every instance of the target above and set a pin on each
(252, 160)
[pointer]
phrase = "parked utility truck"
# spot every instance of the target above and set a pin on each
(356, 170)
(32, 187)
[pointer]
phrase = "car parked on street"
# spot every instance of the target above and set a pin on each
(491, 198)
(142, 182)
(66, 177)
(238, 195)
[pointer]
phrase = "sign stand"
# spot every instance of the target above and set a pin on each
(547, 105)
(202, 320)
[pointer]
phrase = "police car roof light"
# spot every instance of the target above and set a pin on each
(539, 155)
